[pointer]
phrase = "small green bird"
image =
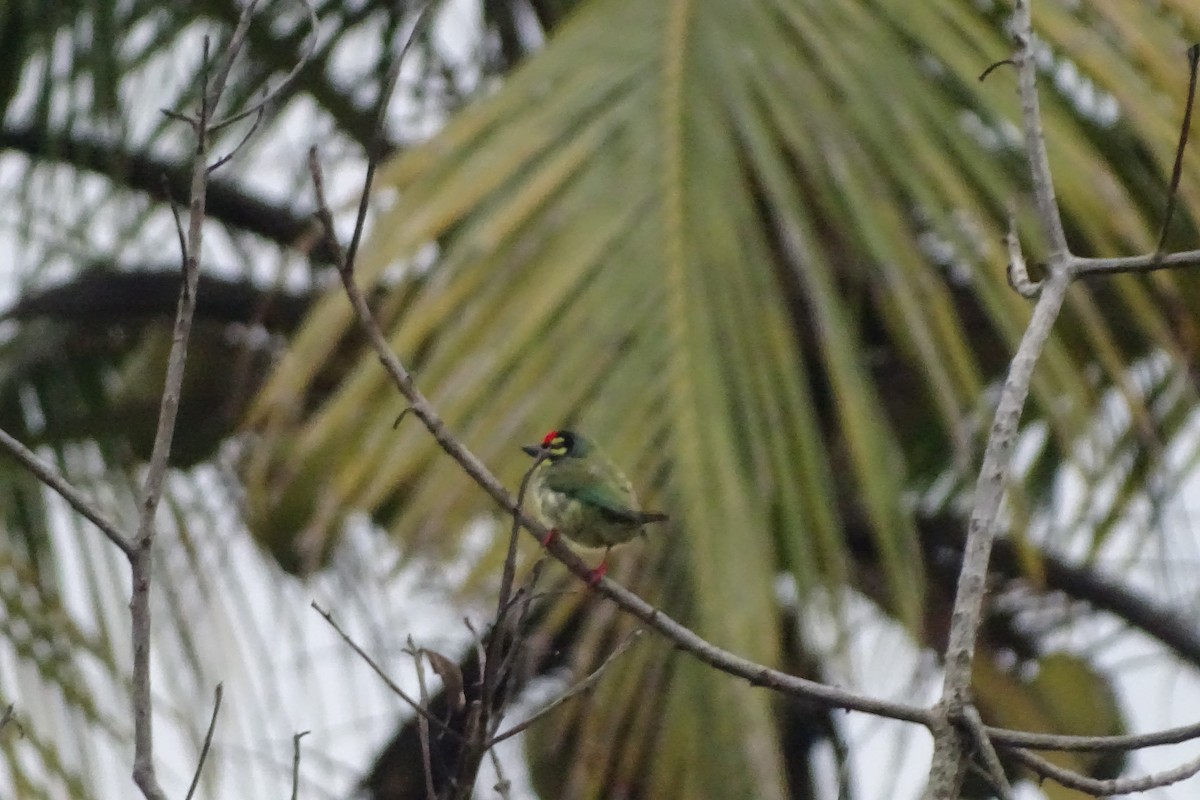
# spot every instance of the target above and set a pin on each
(579, 492)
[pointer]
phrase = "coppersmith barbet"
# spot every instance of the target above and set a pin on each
(578, 491)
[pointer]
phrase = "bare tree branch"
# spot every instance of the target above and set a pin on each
(981, 532)
(141, 562)
(403, 695)
(163, 177)
(1025, 59)
(296, 763)
(949, 756)
(1106, 788)
(225, 159)
(503, 786)
(258, 108)
(49, 476)
(1018, 273)
(582, 686)
(1083, 744)
(1184, 130)
(208, 737)
(422, 722)
(501, 645)
(1088, 267)
(983, 746)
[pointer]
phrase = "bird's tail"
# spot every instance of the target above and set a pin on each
(652, 516)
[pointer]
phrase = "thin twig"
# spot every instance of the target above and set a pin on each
(525, 597)
(179, 116)
(974, 768)
(225, 159)
(474, 732)
(296, 763)
(1106, 788)
(1083, 744)
(257, 108)
(423, 21)
(983, 76)
(983, 746)
(480, 652)
(478, 642)
(1177, 169)
(212, 91)
(422, 723)
(1018, 273)
(510, 561)
(499, 648)
(176, 216)
(1035, 140)
(403, 695)
(208, 737)
(574, 691)
(503, 786)
(76, 499)
(1090, 267)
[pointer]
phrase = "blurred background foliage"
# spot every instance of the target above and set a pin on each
(754, 248)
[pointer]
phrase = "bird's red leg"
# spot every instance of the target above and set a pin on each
(550, 536)
(596, 574)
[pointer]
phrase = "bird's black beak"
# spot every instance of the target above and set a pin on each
(532, 450)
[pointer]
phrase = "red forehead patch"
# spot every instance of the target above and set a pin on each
(549, 438)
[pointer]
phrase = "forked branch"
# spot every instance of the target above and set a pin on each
(958, 724)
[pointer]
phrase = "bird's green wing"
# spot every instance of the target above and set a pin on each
(595, 486)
